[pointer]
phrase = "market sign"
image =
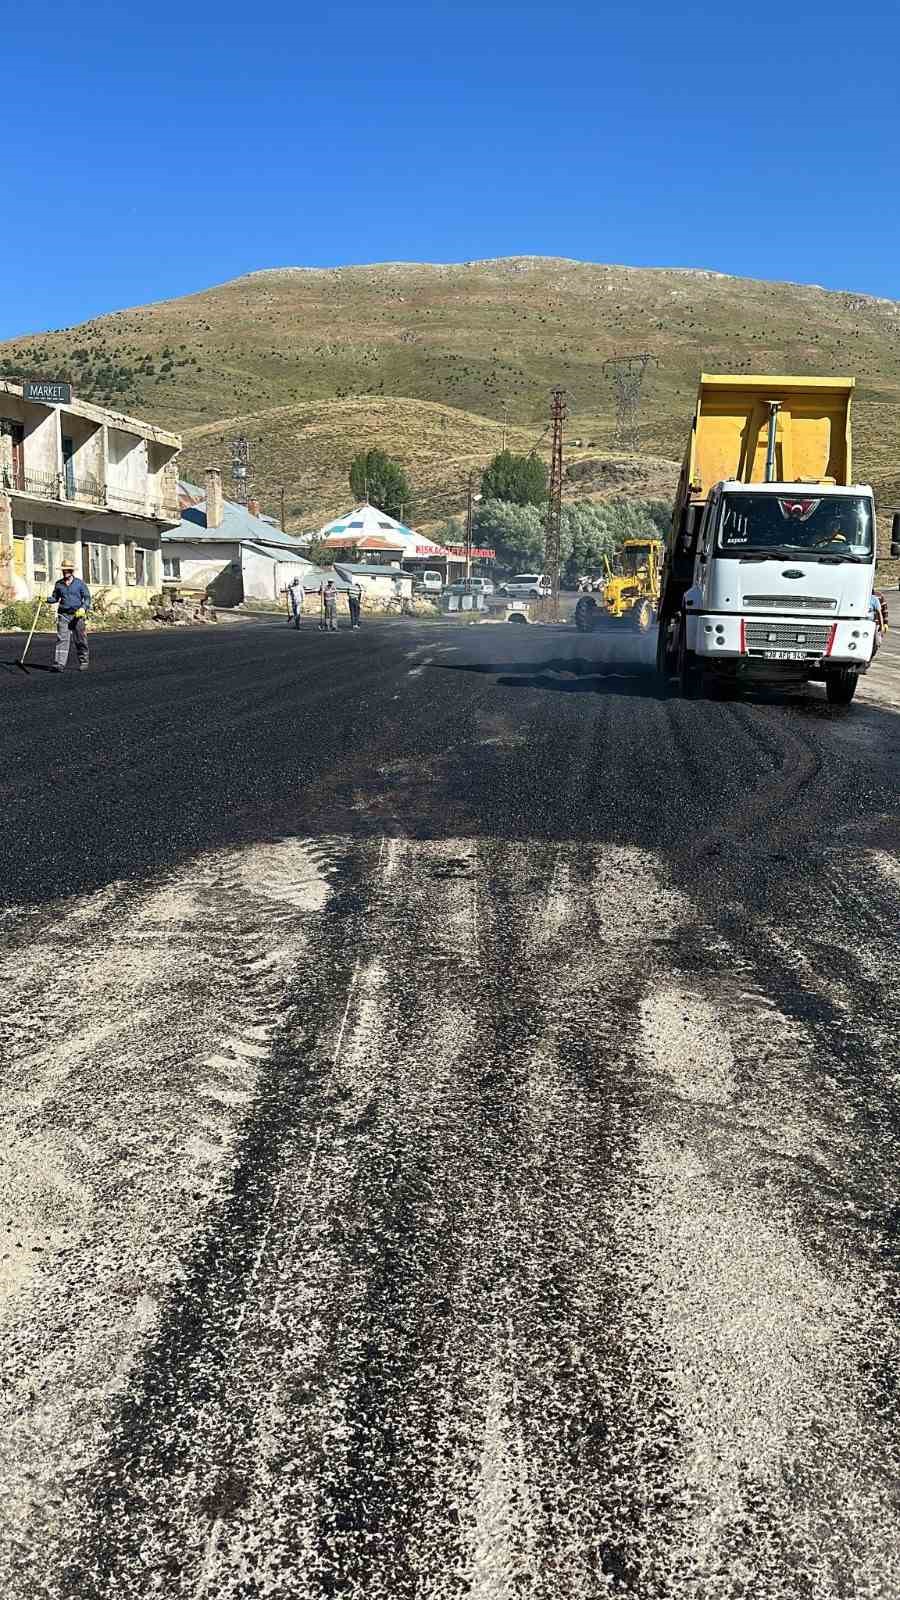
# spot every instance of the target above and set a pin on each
(48, 394)
(477, 554)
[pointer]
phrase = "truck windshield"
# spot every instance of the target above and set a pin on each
(827, 525)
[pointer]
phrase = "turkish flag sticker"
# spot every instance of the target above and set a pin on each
(797, 510)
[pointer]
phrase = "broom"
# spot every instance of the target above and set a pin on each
(21, 660)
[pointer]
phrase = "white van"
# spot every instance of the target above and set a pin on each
(428, 582)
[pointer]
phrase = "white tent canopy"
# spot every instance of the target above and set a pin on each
(367, 528)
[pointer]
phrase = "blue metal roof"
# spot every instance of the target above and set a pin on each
(237, 525)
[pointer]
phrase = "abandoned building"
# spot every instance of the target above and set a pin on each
(81, 483)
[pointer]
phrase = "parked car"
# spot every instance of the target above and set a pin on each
(531, 584)
(480, 585)
(429, 581)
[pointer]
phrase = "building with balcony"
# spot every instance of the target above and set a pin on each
(82, 483)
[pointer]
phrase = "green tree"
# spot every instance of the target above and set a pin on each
(519, 480)
(318, 553)
(516, 533)
(451, 531)
(375, 477)
(596, 529)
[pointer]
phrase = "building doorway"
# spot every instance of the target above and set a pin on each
(68, 454)
(15, 432)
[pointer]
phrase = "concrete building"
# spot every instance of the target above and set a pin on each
(82, 483)
(229, 551)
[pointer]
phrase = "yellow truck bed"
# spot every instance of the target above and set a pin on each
(730, 431)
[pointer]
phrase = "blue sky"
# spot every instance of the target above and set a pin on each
(154, 150)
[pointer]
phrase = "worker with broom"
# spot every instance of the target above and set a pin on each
(74, 601)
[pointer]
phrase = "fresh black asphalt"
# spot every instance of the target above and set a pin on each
(482, 1115)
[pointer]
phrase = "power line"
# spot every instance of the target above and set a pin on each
(240, 468)
(626, 375)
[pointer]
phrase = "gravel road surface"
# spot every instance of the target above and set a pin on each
(451, 1101)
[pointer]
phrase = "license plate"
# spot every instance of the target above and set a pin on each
(784, 655)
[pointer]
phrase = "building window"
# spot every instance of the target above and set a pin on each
(140, 567)
(171, 567)
(99, 563)
(39, 555)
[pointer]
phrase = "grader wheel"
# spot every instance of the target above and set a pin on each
(586, 615)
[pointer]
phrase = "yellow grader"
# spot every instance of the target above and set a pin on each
(631, 591)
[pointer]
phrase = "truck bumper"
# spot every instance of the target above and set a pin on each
(722, 637)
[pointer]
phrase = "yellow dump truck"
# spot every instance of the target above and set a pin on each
(770, 561)
(631, 591)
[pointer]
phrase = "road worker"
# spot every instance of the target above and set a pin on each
(295, 595)
(329, 607)
(73, 597)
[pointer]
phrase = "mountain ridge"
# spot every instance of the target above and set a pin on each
(482, 340)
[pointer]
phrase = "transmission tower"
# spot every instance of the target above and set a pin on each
(626, 374)
(240, 469)
(554, 505)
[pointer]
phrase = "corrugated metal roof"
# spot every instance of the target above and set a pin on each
(369, 570)
(237, 525)
(278, 551)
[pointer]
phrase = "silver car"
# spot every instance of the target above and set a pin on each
(527, 585)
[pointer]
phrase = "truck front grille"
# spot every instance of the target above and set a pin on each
(810, 637)
(790, 602)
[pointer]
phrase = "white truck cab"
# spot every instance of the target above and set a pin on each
(782, 582)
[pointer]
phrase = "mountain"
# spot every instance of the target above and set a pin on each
(435, 362)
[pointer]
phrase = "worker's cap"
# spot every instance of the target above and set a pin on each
(68, 566)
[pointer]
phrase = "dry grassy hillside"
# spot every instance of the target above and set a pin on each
(439, 444)
(321, 351)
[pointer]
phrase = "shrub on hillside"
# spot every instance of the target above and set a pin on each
(375, 477)
(516, 479)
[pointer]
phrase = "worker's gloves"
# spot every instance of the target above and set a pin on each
(80, 613)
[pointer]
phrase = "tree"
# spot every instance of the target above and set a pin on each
(381, 481)
(596, 530)
(318, 553)
(516, 533)
(451, 531)
(519, 480)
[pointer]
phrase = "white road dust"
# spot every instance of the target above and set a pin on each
(136, 1023)
(556, 1293)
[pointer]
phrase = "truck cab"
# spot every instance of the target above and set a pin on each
(782, 584)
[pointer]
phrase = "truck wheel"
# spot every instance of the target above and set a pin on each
(642, 616)
(688, 670)
(840, 686)
(586, 615)
(664, 662)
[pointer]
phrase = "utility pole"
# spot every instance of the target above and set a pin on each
(553, 529)
(505, 424)
(282, 511)
(469, 491)
(626, 374)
